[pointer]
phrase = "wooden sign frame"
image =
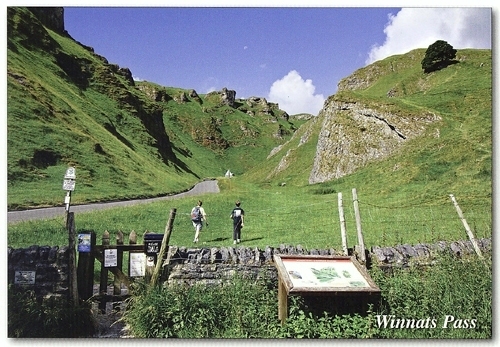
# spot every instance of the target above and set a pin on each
(320, 275)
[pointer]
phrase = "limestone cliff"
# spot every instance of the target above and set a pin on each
(354, 134)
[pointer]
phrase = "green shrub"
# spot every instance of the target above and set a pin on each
(52, 317)
(239, 309)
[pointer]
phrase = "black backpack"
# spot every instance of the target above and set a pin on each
(196, 214)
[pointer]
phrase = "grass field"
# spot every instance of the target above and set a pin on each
(308, 216)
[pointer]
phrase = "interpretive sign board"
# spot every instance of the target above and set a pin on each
(315, 275)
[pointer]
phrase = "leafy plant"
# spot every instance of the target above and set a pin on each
(52, 317)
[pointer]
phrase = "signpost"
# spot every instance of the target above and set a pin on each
(69, 186)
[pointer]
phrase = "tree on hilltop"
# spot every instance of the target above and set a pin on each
(438, 55)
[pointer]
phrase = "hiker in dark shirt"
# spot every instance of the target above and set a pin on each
(238, 216)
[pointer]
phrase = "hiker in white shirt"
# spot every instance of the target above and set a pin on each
(198, 216)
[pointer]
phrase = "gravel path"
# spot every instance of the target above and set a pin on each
(208, 186)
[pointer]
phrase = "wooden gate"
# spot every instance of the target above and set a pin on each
(154, 247)
(85, 269)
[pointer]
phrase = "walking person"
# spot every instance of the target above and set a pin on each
(238, 217)
(198, 216)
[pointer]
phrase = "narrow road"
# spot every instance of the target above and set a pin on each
(209, 186)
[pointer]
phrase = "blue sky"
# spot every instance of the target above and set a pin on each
(294, 56)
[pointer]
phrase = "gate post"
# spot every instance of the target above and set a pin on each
(73, 278)
(117, 290)
(86, 270)
(103, 286)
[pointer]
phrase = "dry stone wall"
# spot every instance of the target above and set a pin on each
(213, 265)
(44, 269)
(49, 266)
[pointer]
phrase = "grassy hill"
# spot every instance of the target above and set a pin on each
(68, 106)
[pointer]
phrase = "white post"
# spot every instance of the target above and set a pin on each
(342, 224)
(466, 226)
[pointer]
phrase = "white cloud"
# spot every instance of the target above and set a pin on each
(294, 95)
(414, 28)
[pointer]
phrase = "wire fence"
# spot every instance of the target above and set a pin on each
(313, 223)
(381, 224)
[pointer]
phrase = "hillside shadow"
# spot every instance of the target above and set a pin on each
(181, 166)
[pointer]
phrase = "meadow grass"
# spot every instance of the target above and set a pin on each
(306, 216)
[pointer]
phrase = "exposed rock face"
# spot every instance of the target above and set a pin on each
(353, 135)
(154, 94)
(194, 95)
(254, 100)
(228, 96)
(51, 17)
(225, 96)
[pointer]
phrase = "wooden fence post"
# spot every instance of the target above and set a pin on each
(73, 285)
(117, 290)
(148, 272)
(86, 270)
(466, 226)
(103, 286)
(342, 224)
(358, 227)
(164, 245)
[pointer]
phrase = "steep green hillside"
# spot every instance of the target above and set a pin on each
(68, 106)
(450, 155)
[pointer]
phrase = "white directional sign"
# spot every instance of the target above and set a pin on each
(69, 185)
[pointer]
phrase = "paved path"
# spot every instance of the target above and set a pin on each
(209, 186)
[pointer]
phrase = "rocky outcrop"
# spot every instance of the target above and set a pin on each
(194, 95)
(354, 134)
(51, 17)
(228, 96)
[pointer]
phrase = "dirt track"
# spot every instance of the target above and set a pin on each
(209, 186)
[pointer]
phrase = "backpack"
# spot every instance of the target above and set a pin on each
(196, 214)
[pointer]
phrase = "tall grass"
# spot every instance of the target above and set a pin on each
(248, 309)
(455, 293)
(49, 317)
